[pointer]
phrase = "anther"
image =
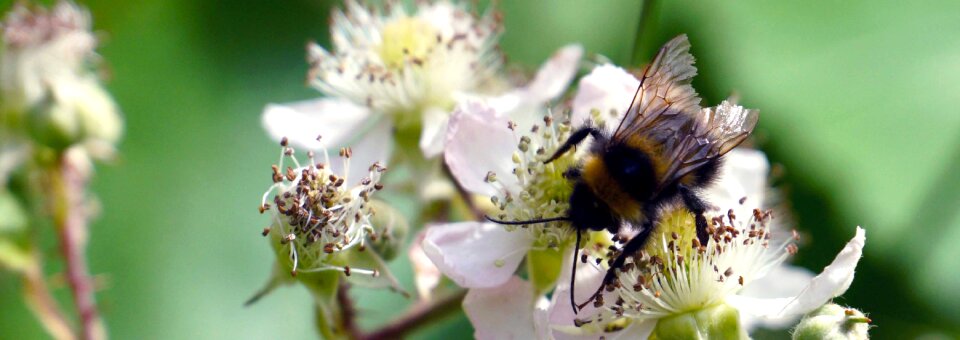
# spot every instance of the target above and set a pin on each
(284, 141)
(266, 231)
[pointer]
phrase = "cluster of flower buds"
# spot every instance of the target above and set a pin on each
(49, 93)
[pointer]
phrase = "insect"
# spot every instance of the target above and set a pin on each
(664, 150)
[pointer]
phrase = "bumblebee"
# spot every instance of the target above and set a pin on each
(664, 150)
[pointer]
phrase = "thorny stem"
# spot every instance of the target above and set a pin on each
(70, 217)
(42, 302)
(418, 316)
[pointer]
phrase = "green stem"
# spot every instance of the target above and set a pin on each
(645, 30)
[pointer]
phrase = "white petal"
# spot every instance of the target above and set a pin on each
(783, 281)
(832, 282)
(744, 174)
(337, 120)
(555, 75)
(606, 88)
(426, 275)
(541, 319)
(433, 133)
(479, 141)
(636, 330)
(474, 254)
(375, 145)
(503, 312)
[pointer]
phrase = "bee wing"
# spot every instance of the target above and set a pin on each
(714, 133)
(664, 95)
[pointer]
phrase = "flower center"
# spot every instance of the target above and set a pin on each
(407, 39)
(675, 273)
(318, 214)
(543, 192)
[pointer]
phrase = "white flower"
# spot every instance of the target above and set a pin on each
(400, 69)
(680, 280)
(46, 84)
(484, 148)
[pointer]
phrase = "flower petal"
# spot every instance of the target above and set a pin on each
(555, 75)
(502, 312)
(474, 254)
(636, 330)
(782, 281)
(426, 275)
(832, 282)
(479, 141)
(337, 120)
(743, 174)
(375, 145)
(433, 133)
(607, 88)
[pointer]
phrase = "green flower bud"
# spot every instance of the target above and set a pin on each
(716, 322)
(53, 124)
(833, 322)
(394, 232)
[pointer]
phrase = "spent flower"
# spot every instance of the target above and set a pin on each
(324, 221)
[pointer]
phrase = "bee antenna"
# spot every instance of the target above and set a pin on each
(542, 220)
(573, 275)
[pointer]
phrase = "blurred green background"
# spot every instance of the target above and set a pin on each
(858, 102)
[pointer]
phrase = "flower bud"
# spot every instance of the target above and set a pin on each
(833, 322)
(394, 230)
(716, 322)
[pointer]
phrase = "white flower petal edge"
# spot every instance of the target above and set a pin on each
(607, 88)
(474, 254)
(426, 275)
(832, 282)
(481, 119)
(554, 76)
(783, 280)
(339, 123)
(435, 122)
(743, 174)
(479, 141)
(502, 312)
(301, 122)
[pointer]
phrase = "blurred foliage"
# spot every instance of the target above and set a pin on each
(856, 100)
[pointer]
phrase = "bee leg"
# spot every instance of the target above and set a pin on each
(575, 138)
(631, 248)
(697, 206)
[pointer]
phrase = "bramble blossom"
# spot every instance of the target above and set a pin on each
(390, 68)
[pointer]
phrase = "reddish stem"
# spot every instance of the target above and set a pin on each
(71, 220)
(418, 316)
